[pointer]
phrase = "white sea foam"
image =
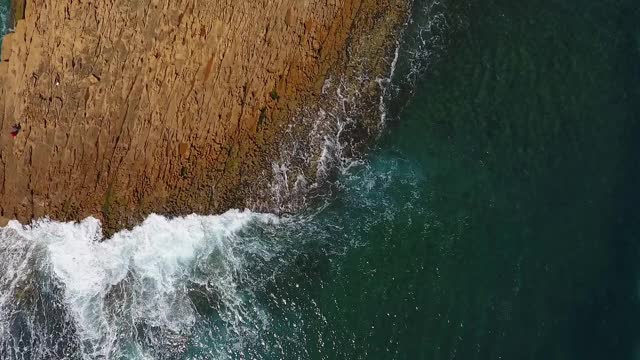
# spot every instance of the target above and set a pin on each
(138, 277)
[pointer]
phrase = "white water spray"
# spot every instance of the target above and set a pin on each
(137, 278)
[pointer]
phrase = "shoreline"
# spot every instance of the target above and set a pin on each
(354, 93)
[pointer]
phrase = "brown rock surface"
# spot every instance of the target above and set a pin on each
(129, 107)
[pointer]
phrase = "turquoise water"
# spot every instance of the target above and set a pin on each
(496, 218)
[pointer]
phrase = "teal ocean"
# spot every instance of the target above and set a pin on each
(496, 217)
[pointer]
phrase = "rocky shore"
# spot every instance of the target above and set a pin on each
(133, 107)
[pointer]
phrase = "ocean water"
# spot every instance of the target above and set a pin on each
(496, 217)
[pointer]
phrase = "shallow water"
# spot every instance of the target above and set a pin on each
(496, 218)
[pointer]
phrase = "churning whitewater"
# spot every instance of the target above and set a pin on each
(104, 299)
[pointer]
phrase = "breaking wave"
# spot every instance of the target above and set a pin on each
(104, 299)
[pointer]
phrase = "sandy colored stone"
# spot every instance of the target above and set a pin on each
(130, 107)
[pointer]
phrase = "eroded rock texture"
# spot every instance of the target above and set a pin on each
(136, 106)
